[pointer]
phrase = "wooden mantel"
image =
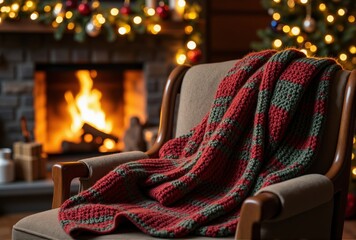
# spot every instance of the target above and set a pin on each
(175, 28)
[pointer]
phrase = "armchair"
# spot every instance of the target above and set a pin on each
(310, 206)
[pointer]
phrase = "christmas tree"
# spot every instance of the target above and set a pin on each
(317, 27)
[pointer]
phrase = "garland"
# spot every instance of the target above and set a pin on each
(92, 18)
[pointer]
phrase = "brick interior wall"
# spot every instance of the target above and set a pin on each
(20, 52)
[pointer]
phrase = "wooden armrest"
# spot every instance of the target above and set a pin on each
(62, 175)
(254, 210)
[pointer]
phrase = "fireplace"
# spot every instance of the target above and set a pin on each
(29, 58)
(87, 107)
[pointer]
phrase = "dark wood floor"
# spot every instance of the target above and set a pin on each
(7, 221)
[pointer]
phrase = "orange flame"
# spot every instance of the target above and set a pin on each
(85, 107)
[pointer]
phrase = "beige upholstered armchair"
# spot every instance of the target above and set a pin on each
(310, 206)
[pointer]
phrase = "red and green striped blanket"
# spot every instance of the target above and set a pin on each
(263, 127)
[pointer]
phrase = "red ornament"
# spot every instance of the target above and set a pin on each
(194, 56)
(163, 11)
(350, 206)
(125, 10)
(84, 9)
(71, 4)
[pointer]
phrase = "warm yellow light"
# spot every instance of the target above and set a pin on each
(88, 138)
(47, 8)
(300, 39)
(70, 26)
(181, 3)
(277, 43)
(1, 1)
(24, 8)
(5, 9)
(328, 39)
(100, 18)
(286, 29)
(114, 11)
(295, 31)
(0, 20)
(304, 51)
(354, 140)
(191, 15)
(151, 12)
(352, 156)
(15, 7)
(191, 45)
(354, 171)
(276, 16)
(188, 29)
(322, 7)
(34, 15)
(308, 44)
(352, 50)
(137, 20)
(181, 58)
(277, 1)
(351, 18)
(313, 48)
(330, 18)
(12, 14)
(291, 3)
(59, 19)
(122, 30)
(343, 57)
(156, 29)
(109, 144)
(303, 1)
(29, 4)
(54, 24)
(69, 15)
(341, 12)
(95, 4)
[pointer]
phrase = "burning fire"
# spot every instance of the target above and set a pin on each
(85, 107)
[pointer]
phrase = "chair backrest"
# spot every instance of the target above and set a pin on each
(198, 89)
(197, 93)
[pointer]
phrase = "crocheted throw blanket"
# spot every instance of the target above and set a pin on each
(263, 127)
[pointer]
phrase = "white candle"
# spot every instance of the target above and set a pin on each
(150, 3)
(177, 8)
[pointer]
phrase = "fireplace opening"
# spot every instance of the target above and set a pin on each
(87, 107)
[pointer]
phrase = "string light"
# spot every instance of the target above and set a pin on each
(277, 43)
(329, 39)
(300, 39)
(34, 16)
(330, 18)
(137, 20)
(295, 31)
(70, 26)
(352, 50)
(69, 15)
(343, 57)
(303, 1)
(114, 12)
(351, 18)
(276, 16)
(188, 29)
(47, 8)
(322, 7)
(341, 12)
(150, 11)
(286, 29)
(191, 45)
(181, 57)
(313, 48)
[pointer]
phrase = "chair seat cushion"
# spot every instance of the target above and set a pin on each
(45, 225)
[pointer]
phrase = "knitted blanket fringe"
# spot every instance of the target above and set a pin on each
(264, 127)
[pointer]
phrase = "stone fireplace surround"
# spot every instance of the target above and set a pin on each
(20, 52)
